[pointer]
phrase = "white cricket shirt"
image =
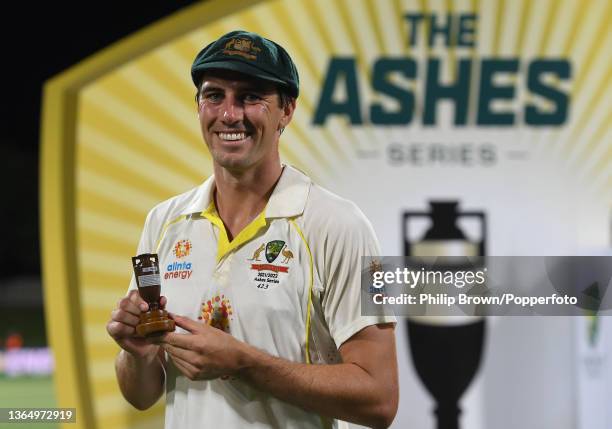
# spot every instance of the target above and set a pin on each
(288, 284)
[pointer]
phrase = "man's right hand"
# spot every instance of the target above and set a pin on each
(122, 326)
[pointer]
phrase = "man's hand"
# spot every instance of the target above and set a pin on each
(362, 389)
(122, 326)
(139, 371)
(205, 353)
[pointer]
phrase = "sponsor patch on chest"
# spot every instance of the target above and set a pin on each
(181, 268)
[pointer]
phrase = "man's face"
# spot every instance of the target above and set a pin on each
(241, 120)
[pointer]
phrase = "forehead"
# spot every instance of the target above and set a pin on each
(226, 79)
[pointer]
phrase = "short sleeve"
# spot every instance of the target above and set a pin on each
(145, 245)
(348, 241)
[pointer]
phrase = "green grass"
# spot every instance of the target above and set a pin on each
(27, 392)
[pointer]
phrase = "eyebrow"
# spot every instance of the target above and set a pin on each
(248, 87)
(210, 88)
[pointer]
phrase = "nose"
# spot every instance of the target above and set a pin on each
(232, 110)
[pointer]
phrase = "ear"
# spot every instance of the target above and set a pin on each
(287, 114)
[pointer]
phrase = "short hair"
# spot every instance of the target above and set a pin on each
(284, 98)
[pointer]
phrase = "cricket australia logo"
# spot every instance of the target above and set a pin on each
(273, 249)
(267, 273)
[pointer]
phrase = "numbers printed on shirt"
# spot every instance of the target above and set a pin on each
(265, 280)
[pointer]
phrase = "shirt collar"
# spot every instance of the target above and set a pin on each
(289, 196)
(287, 200)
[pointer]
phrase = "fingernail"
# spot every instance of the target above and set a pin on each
(144, 306)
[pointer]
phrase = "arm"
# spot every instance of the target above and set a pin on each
(141, 380)
(362, 389)
(138, 366)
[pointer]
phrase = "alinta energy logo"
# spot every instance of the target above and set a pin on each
(180, 270)
(182, 248)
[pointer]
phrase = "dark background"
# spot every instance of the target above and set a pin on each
(40, 40)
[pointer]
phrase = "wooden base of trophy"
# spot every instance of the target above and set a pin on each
(154, 322)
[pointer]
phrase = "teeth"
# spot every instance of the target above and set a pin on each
(232, 136)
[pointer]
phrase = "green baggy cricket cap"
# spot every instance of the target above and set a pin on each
(250, 54)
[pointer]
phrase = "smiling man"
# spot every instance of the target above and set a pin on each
(271, 333)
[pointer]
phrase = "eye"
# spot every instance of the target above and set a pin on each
(251, 98)
(212, 97)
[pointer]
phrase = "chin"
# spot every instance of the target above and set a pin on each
(230, 162)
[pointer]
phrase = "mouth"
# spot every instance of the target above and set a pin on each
(232, 136)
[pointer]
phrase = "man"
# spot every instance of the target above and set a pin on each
(261, 271)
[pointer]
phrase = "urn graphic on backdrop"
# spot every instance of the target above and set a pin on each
(446, 350)
(444, 237)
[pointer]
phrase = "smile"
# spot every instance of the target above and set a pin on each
(232, 136)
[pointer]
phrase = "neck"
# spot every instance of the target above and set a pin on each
(242, 195)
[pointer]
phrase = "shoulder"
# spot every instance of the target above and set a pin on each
(176, 206)
(326, 212)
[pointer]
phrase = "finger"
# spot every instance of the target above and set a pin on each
(184, 354)
(158, 340)
(188, 324)
(183, 341)
(135, 297)
(128, 304)
(187, 369)
(163, 301)
(125, 317)
(120, 330)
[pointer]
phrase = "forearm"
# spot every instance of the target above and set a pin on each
(344, 391)
(141, 380)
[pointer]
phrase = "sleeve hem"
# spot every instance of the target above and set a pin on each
(348, 331)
